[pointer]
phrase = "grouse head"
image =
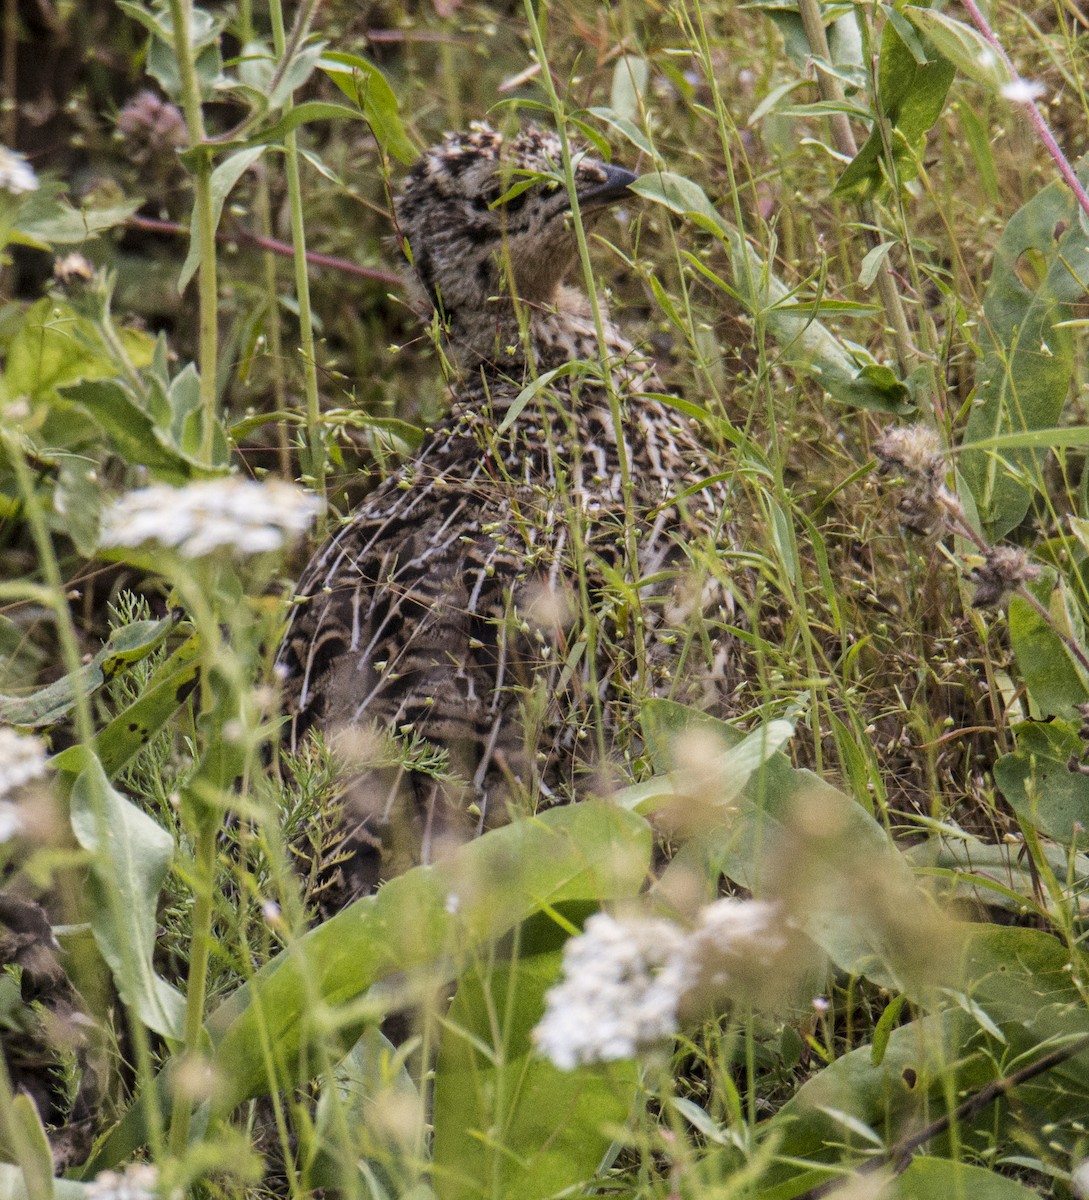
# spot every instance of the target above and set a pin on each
(487, 216)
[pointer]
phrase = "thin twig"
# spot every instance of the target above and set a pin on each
(239, 234)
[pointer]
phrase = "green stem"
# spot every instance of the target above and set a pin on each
(203, 211)
(831, 90)
(200, 952)
(314, 462)
(56, 600)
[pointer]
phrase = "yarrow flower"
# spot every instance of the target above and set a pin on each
(209, 515)
(138, 1181)
(1023, 91)
(22, 758)
(628, 981)
(622, 982)
(16, 174)
(1079, 1180)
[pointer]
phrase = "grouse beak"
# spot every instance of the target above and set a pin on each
(615, 185)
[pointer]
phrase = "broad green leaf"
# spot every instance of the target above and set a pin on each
(630, 77)
(132, 433)
(54, 347)
(911, 96)
(223, 180)
(1039, 786)
(790, 835)
(297, 73)
(535, 388)
(430, 918)
(928, 1178)
(63, 225)
(131, 858)
(362, 82)
(507, 1122)
(963, 45)
(1056, 684)
(31, 1147)
(13, 1186)
(1040, 270)
(77, 502)
(627, 129)
(160, 698)
(48, 705)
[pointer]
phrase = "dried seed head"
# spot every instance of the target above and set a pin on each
(913, 449)
(1002, 571)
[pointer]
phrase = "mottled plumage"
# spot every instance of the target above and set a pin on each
(511, 589)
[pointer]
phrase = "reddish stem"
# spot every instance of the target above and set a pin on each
(1034, 115)
(271, 244)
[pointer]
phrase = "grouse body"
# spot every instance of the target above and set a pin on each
(543, 561)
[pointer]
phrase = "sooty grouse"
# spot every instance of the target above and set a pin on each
(553, 552)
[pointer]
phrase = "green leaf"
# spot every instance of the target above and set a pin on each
(362, 82)
(77, 502)
(60, 224)
(32, 1148)
(223, 180)
(13, 1186)
(507, 1122)
(131, 431)
(301, 114)
(927, 1178)
(132, 855)
(1028, 355)
(54, 347)
(911, 96)
(1043, 791)
(581, 852)
(963, 45)
(630, 77)
(1056, 684)
(48, 705)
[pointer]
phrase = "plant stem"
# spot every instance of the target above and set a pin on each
(314, 460)
(832, 91)
(70, 655)
(200, 950)
(203, 211)
(1036, 120)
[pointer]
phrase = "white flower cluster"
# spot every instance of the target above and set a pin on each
(138, 1181)
(624, 979)
(211, 514)
(22, 759)
(16, 174)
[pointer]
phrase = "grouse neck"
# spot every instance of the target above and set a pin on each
(541, 338)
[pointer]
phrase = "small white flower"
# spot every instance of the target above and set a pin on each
(270, 911)
(16, 174)
(11, 821)
(211, 514)
(622, 981)
(1079, 1180)
(22, 758)
(138, 1181)
(1023, 91)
